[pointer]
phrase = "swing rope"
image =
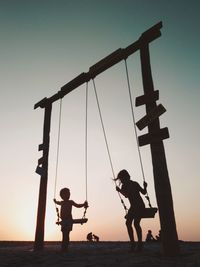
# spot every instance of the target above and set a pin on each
(106, 142)
(86, 147)
(86, 154)
(57, 158)
(135, 130)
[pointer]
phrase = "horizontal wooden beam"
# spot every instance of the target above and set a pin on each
(147, 37)
(150, 117)
(147, 98)
(154, 137)
(107, 62)
(41, 103)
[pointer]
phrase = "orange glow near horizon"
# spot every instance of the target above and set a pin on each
(46, 44)
(114, 229)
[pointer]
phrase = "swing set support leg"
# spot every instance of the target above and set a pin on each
(39, 233)
(169, 237)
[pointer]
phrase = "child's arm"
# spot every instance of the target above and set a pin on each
(85, 204)
(120, 190)
(143, 190)
(57, 202)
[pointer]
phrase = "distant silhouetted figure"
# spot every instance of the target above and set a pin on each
(158, 237)
(90, 237)
(131, 190)
(149, 237)
(95, 238)
(66, 215)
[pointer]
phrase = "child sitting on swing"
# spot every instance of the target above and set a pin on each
(66, 215)
(131, 190)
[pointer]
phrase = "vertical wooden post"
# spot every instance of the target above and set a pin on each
(161, 177)
(39, 233)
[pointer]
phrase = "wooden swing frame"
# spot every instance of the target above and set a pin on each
(154, 137)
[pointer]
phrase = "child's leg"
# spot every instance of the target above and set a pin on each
(130, 231)
(139, 232)
(138, 229)
(65, 240)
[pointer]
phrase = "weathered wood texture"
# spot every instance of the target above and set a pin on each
(161, 178)
(43, 171)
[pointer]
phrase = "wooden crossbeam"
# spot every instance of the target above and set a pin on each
(147, 98)
(150, 117)
(102, 65)
(40, 160)
(150, 138)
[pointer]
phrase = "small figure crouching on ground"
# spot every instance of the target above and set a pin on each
(149, 237)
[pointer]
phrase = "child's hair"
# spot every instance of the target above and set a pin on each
(65, 192)
(123, 175)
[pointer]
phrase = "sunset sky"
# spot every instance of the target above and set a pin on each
(45, 44)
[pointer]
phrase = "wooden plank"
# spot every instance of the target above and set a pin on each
(151, 34)
(41, 147)
(107, 62)
(41, 103)
(147, 37)
(148, 98)
(40, 160)
(81, 221)
(76, 82)
(150, 117)
(149, 212)
(39, 170)
(153, 137)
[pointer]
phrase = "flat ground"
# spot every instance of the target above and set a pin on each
(102, 254)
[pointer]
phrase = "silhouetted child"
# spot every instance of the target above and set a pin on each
(149, 236)
(89, 237)
(66, 215)
(131, 190)
(96, 238)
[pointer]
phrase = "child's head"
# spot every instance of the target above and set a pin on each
(123, 176)
(65, 193)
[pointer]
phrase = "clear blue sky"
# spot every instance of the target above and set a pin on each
(45, 44)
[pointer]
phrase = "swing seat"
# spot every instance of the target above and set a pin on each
(81, 221)
(149, 212)
(75, 221)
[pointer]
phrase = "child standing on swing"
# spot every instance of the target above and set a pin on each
(131, 190)
(66, 215)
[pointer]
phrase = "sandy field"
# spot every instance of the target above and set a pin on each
(85, 254)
